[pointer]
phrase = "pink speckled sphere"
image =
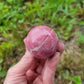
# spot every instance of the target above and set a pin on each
(42, 42)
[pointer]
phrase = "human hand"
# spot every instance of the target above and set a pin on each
(30, 70)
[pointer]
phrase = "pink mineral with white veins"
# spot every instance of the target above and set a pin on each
(42, 42)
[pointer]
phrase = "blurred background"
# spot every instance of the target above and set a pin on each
(65, 17)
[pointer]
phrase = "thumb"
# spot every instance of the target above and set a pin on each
(24, 64)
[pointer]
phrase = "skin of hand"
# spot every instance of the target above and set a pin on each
(30, 70)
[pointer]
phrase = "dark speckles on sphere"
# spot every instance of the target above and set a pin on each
(42, 42)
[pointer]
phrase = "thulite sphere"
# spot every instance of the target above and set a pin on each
(42, 42)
